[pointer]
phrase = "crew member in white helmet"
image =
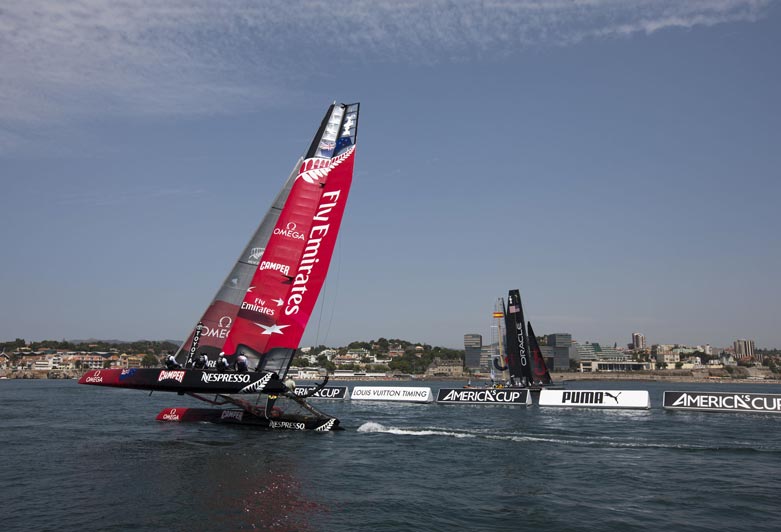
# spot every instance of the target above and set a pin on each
(222, 362)
(171, 363)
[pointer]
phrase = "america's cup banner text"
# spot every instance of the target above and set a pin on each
(484, 396)
(723, 402)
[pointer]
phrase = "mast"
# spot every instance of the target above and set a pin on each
(499, 362)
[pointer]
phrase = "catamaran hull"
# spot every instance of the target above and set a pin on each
(185, 380)
(235, 416)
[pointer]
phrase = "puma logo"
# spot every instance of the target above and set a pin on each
(614, 397)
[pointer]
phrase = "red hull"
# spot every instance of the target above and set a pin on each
(241, 417)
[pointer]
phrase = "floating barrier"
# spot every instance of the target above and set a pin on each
(413, 394)
(484, 396)
(596, 398)
(723, 402)
(327, 392)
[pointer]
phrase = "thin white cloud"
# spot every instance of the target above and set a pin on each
(91, 57)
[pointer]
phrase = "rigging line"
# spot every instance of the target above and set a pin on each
(336, 282)
(320, 316)
(327, 282)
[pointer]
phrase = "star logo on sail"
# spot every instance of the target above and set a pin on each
(272, 329)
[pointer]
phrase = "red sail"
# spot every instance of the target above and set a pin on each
(539, 368)
(287, 282)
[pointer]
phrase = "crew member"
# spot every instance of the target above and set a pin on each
(202, 361)
(241, 364)
(171, 363)
(222, 363)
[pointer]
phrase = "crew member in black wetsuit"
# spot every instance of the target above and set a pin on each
(222, 363)
(201, 362)
(171, 363)
(241, 364)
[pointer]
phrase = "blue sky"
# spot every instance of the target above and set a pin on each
(616, 161)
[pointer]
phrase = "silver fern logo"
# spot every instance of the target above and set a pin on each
(315, 170)
(326, 426)
(255, 254)
(258, 385)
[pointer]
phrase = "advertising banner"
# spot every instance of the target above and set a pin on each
(723, 401)
(328, 392)
(484, 396)
(414, 394)
(596, 398)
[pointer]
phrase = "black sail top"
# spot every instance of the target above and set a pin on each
(517, 341)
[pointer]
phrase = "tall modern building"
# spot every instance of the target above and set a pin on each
(638, 341)
(473, 346)
(563, 350)
(486, 353)
(744, 348)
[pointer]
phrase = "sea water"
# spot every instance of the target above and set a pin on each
(87, 458)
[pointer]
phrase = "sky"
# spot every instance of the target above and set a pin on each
(617, 161)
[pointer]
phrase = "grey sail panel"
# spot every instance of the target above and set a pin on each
(238, 280)
(222, 311)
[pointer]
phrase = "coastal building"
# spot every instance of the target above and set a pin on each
(667, 359)
(549, 355)
(307, 373)
(359, 353)
(638, 341)
(308, 356)
(396, 351)
(445, 368)
(43, 364)
(563, 348)
(744, 349)
(327, 353)
(473, 347)
(596, 351)
(486, 352)
(347, 358)
(595, 357)
(613, 365)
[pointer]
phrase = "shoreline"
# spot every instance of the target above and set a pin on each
(635, 376)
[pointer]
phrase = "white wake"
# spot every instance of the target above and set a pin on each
(371, 426)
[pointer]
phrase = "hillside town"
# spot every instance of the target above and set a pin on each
(377, 359)
(402, 359)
